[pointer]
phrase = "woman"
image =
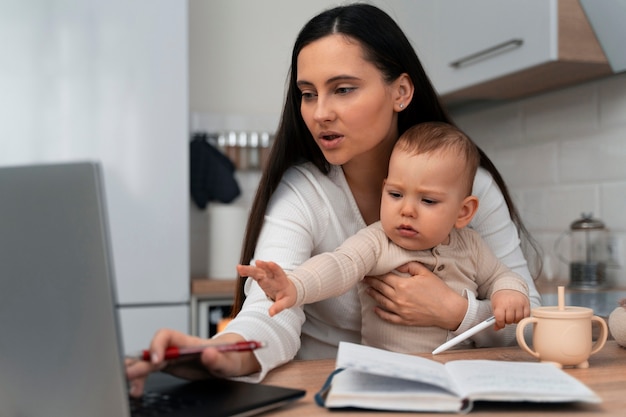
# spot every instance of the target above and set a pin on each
(355, 85)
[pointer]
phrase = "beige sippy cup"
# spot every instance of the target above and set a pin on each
(562, 334)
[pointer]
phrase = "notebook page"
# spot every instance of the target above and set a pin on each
(517, 381)
(391, 364)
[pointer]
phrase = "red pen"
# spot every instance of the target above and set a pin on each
(176, 352)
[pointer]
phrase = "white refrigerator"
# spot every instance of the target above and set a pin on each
(108, 81)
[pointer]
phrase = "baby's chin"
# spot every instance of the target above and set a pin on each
(409, 243)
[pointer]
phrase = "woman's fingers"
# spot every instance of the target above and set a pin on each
(136, 372)
(421, 299)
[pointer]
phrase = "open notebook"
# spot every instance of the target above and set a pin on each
(60, 347)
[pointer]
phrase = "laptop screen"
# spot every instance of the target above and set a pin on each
(60, 347)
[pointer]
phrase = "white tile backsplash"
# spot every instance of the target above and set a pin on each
(533, 165)
(597, 158)
(561, 154)
(560, 206)
(557, 115)
(613, 203)
(612, 101)
(495, 126)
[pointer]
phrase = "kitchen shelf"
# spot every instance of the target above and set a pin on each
(213, 288)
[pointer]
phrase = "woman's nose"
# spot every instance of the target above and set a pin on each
(323, 111)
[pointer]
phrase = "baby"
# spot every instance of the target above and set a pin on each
(426, 204)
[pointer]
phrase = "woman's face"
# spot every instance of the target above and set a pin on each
(346, 104)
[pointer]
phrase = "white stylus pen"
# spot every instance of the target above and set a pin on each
(468, 333)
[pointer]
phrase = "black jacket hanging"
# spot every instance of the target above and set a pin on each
(212, 174)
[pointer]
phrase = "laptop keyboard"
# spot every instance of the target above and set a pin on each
(156, 404)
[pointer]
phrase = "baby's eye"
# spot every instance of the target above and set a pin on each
(395, 194)
(429, 201)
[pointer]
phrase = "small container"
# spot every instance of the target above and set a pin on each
(254, 154)
(266, 143)
(232, 148)
(243, 159)
(588, 252)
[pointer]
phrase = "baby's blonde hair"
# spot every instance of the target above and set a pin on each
(433, 137)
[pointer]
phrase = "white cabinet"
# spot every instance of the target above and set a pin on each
(501, 49)
(419, 23)
(480, 40)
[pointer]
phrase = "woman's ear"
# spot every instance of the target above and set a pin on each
(404, 91)
(467, 211)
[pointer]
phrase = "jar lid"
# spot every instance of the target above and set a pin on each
(568, 312)
(587, 223)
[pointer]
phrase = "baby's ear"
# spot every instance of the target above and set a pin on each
(467, 211)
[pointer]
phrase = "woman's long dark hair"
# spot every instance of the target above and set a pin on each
(385, 46)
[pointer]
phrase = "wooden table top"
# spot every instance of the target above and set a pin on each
(606, 375)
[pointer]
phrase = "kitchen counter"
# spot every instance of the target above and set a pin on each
(602, 300)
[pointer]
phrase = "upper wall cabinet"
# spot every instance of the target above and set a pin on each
(506, 49)
(607, 19)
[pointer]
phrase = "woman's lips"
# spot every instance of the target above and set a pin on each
(330, 140)
(329, 136)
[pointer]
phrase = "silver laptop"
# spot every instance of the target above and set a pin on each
(60, 347)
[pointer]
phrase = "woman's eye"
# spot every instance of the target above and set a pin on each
(344, 90)
(307, 95)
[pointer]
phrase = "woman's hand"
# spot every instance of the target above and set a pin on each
(420, 300)
(211, 362)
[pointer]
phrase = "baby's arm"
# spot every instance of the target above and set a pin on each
(273, 280)
(509, 306)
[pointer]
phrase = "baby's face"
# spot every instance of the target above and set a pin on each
(422, 198)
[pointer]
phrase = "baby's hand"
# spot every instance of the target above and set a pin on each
(509, 306)
(273, 280)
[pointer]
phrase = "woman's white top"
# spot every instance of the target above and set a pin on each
(311, 213)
